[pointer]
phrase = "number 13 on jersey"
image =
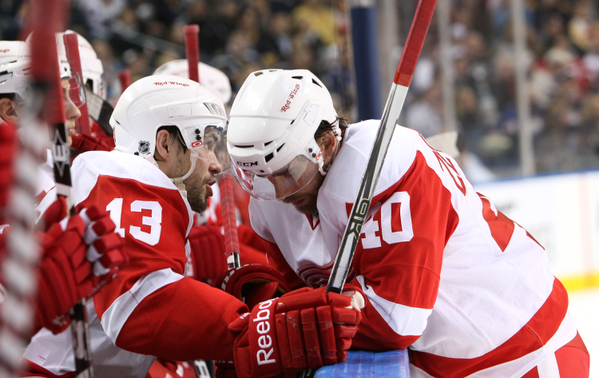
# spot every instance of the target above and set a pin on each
(149, 227)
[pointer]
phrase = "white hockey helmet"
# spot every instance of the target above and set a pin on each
(165, 100)
(271, 131)
(91, 67)
(210, 77)
(77, 92)
(14, 68)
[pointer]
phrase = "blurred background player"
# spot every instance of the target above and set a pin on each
(92, 72)
(15, 92)
(78, 256)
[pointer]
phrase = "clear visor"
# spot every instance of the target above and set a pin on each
(280, 184)
(213, 147)
(75, 91)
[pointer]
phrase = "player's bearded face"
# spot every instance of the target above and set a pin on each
(304, 200)
(198, 184)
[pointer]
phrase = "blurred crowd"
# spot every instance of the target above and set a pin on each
(562, 38)
(240, 36)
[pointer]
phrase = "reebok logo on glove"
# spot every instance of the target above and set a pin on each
(263, 326)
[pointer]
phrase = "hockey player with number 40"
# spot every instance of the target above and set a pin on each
(468, 291)
(167, 132)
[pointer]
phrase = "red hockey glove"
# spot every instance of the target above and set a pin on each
(207, 252)
(84, 143)
(303, 329)
(53, 214)
(80, 255)
(254, 283)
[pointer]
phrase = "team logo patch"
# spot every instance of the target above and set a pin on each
(144, 147)
(290, 97)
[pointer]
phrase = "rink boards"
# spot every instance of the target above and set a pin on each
(363, 364)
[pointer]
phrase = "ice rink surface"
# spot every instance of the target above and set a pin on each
(584, 305)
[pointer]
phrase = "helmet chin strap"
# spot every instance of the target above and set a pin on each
(178, 181)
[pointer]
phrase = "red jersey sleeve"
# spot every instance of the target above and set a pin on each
(398, 261)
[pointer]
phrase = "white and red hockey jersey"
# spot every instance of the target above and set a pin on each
(445, 274)
(150, 308)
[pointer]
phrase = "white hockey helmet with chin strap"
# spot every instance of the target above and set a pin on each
(210, 77)
(165, 100)
(271, 131)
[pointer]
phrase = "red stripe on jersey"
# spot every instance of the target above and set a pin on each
(532, 336)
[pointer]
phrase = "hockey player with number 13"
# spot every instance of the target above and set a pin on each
(468, 291)
(167, 133)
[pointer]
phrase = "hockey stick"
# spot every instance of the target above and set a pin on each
(227, 207)
(71, 44)
(124, 79)
(99, 110)
(192, 51)
(47, 15)
(225, 181)
(397, 96)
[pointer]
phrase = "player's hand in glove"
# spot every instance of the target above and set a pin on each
(254, 283)
(207, 252)
(79, 256)
(303, 329)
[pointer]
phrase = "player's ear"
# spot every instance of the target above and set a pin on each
(327, 143)
(8, 110)
(163, 145)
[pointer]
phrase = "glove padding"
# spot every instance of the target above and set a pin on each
(254, 283)
(303, 329)
(85, 142)
(80, 255)
(208, 258)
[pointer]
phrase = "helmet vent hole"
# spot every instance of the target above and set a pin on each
(214, 109)
(258, 73)
(269, 157)
(281, 146)
(267, 143)
(244, 146)
(317, 83)
(297, 77)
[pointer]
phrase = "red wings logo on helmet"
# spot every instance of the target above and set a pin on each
(291, 96)
(161, 83)
(197, 144)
